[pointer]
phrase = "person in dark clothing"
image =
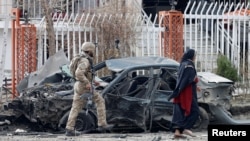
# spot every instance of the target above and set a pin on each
(184, 97)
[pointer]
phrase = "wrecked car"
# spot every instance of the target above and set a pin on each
(135, 90)
(215, 99)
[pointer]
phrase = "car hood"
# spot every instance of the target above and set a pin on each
(118, 65)
(209, 77)
(50, 67)
(212, 80)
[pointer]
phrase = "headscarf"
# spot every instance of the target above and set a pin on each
(189, 54)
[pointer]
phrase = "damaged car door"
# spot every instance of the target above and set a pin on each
(128, 97)
(161, 108)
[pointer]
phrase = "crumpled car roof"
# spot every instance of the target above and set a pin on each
(118, 65)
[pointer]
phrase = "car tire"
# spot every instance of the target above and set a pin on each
(84, 122)
(203, 120)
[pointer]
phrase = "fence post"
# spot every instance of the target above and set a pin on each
(172, 37)
(24, 50)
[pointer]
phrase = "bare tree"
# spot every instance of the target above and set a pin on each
(115, 34)
(118, 33)
(48, 10)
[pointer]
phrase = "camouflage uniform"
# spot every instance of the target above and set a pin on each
(83, 77)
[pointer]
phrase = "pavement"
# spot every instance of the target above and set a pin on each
(161, 136)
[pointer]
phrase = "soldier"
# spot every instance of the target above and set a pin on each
(80, 67)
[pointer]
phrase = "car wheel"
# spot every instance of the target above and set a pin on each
(84, 122)
(202, 121)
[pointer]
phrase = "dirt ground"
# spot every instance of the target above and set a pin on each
(161, 136)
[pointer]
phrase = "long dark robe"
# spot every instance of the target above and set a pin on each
(185, 109)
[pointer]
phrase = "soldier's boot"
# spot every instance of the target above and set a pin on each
(105, 127)
(72, 133)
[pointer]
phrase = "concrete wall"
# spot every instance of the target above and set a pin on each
(8, 49)
(5, 7)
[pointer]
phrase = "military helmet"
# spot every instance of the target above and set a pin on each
(89, 47)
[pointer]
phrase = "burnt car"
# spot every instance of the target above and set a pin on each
(135, 90)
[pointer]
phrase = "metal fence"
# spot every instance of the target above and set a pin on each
(71, 31)
(218, 28)
(66, 7)
(209, 28)
(35, 9)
